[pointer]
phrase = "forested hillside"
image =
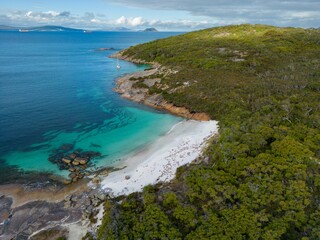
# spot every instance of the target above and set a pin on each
(260, 178)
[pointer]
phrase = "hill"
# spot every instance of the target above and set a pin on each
(41, 29)
(260, 179)
(150, 30)
(8, 28)
(54, 29)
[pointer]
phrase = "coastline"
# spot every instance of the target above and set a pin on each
(159, 161)
(125, 86)
(78, 202)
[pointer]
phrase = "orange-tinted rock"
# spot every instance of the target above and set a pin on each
(66, 160)
(76, 163)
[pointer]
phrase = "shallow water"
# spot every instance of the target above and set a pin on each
(55, 89)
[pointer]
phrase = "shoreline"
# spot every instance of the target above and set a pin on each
(76, 203)
(181, 145)
(159, 161)
(125, 87)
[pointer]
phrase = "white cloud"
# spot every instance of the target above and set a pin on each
(91, 20)
(276, 12)
(121, 20)
(96, 21)
(297, 13)
(302, 14)
(133, 22)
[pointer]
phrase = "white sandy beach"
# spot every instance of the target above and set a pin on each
(160, 160)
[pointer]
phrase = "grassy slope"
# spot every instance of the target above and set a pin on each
(261, 178)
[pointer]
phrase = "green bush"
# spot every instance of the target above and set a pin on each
(261, 177)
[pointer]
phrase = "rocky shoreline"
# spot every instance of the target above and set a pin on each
(135, 87)
(70, 211)
(76, 209)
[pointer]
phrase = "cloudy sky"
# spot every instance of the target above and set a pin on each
(166, 15)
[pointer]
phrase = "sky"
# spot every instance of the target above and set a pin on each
(164, 15)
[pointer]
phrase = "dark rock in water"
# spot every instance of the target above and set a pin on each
(77, 152)
(56, 157)
(66, 160)
(84, 166)
(74, 161)
(66, 147)
(72, 156)
(83, 161)
(39, 147)
(95, 145)
(81, 175)
(89, 154)
(72, 175)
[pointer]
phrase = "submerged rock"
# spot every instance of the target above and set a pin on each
(66, 147)
(66, 160)
(72, 175)
(72, 156)
(83, 161)
(75, 162)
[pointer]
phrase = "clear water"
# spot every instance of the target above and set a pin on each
(56, 89)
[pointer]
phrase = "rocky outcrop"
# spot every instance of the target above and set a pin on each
(21, 222)
(103, 49)
(128, 88)
(76, 161)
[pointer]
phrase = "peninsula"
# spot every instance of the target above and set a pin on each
(259, 178)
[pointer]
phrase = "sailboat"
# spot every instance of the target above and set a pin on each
(118, 65)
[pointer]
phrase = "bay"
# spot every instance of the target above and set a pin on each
(56, 89)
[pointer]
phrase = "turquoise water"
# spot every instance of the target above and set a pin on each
(56, 89)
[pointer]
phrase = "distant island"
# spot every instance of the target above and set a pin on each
(48, 28)
(52, 28)
(149, 30)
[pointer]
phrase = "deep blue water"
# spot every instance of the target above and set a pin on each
(56, 89)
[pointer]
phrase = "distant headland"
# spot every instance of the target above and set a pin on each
(47, 28)
(52, 28)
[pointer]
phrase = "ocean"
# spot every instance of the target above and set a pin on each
(56, 95)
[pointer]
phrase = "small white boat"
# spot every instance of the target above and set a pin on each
(118, 65)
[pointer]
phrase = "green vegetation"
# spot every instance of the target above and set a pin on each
(260, 178)
(54, 233)
(139, 85)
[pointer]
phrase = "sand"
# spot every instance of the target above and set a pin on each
(160, 160)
